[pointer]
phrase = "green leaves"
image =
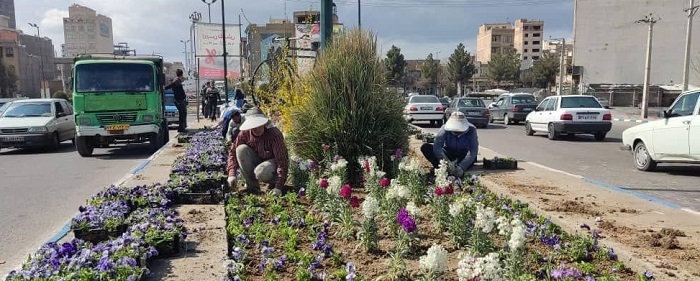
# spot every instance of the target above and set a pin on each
(545, 69)
(504, 66)
(395, 65)
(460, 67)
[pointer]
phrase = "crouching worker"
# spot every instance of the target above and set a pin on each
(456, 142)
(260, 152)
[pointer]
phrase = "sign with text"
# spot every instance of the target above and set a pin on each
(210, 49)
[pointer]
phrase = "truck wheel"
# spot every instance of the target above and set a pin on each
(83, 146)
(166, 133)
(157, 140)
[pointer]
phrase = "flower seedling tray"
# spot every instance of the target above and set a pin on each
(98, 235)
(170, 248)
(428, 138)
(500, 164)
(211, 197)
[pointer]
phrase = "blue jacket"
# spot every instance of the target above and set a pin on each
(466, 144)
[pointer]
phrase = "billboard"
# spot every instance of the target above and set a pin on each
(309, 35)
(210, 49)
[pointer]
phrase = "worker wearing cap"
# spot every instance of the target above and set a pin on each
(260, 153)
(457, 142)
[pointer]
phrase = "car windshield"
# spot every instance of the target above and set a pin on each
(3, 107)
(523, 99)
(579, 102)
(444, 100)
(169, 100)
(114, 77)
(470, 103)
(26, 109)
(425, 99)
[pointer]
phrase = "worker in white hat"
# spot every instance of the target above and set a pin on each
(261, 154)
(457, 142)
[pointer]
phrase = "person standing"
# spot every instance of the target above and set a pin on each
(213, 99)
(457, 142)
(203, 97)
(239, 98)
(180, 99)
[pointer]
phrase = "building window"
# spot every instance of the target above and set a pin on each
(535, 35)
(526, 27)
(526, 43)
(524, 50)
(533, 42)
(524, 58)
(527, 35)
(9, 52)
(494, 50)
(535, 57)
(496, 38)
(533, 50)
(537, 27)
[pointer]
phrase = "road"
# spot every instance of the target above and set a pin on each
(41, 190)
(602, 162)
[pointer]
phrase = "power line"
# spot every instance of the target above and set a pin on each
(444, 3)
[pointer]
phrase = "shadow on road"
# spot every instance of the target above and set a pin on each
(123, 152)
(678, 170)
(495, 127)
(64, 148)
(582, 138)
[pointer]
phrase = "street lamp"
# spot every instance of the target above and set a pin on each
(184, 42)
(41, 54)
(209, 6)
(561, 64)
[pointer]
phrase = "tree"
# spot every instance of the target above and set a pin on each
(8, 81)
(395, 66)
(429, 71)
(545, 70)
(60, 95)
(504, 67)
(527, 78)
(460, 68)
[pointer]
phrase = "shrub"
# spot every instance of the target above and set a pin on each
(348, 106)
(60, 95)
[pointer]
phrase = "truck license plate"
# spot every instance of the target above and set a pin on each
(118, 127)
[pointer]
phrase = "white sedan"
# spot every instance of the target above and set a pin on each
(424, 108)
(37, 123)
(571, 114)
(673, 139)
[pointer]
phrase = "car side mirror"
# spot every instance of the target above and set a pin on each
(537, 109)
(493, 104)
(61, 114)
(664, 114)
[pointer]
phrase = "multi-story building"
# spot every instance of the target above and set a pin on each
(493, 38)
(528, 41)
(36, 65)
(86, 32)
(7, 8)
(611, 49)
(9, 57)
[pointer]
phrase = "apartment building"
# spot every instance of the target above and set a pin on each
(528, 41)
(493, 38)
(85, 31)
(7, 8)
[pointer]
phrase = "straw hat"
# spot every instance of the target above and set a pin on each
(253, 121)
(457, 123)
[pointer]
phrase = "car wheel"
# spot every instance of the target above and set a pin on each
(485, 126)
(491, 119)
(84, 147)
(528, 129)
(507, 120)
(551, 133)
(642, 159)
(599, 136)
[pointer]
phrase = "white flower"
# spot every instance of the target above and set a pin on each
(467, 269)
(398, 191)
(517, 238)
(334, 185)
(490, 267)
(370, 207)
(233, 267)
(303, 165)
(456, 208)
(435, 260)
(485, 218)
(410, 164)
(340, 164)
(412, 209)
(441, 174)
(503, 226)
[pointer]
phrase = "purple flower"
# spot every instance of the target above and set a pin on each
(242, 240)
(405, 220)
(590, 278)
(350, 271)
(648, 275)
(105, 264)
(313, 165)
(398, 153)
(237, 254)
(563, 272)
(302, 192)
(266, 251)
(612, 255)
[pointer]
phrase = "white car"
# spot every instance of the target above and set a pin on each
(571, 114)
(37, 123)
(424, 108)
(673, 139)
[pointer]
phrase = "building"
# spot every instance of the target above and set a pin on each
(37, 66)
(527, 41)
(9, 58)
(86, 32)
(554, 49)
(610, 48)
(493, 38)
(7, 8)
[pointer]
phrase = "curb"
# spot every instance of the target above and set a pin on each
(632, 120)
(135, 171)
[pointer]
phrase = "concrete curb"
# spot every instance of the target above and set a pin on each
(632, 120)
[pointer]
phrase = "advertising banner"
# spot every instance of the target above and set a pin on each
(210, 49)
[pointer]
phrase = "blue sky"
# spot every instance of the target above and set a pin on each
(418, 27)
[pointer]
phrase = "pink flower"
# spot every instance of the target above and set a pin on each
(367, 166)
(346, 191)
(384, 182)
(439, 191)
(326, 147)
(449, 190)
(323, 183)
(354, 202)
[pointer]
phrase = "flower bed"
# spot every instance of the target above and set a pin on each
(405, 229)
(197, 177)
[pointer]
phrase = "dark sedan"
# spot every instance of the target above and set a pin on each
(473, 108)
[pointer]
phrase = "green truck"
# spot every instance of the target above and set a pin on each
(118, 99)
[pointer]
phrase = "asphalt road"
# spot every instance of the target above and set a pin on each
(40, 190)
(602, 162)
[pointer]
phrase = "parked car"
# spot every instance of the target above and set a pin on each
(4, 106)
(424, 108)
(673, 139)
(473, 108)
(444, 101)
(512, 108)
(37, 123)
(571, 114)
(171, 113)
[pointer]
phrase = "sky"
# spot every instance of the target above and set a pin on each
(418, 27)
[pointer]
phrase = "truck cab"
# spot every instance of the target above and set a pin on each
(118, 99)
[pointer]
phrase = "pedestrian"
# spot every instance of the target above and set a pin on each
(203, 97)
(239, 97)
(233, 125)
(180, 99)
(457, 142)
(213, 99)
(261, 154)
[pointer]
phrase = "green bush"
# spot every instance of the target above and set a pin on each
(348, 106)
(60, 95)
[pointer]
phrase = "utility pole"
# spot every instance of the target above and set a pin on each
(561, 67)
(223, 30)
(209, 6)
(326, 22)
(650, 20)
(184, 42)
(41, 58)
(359, 14)
(688, 34)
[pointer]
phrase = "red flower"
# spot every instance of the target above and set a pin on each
(439, 191)
(346, 191)
(323, 183)
(354, 202)
(449, 190)
(367, 166)
(326, 147)
(384, 182)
